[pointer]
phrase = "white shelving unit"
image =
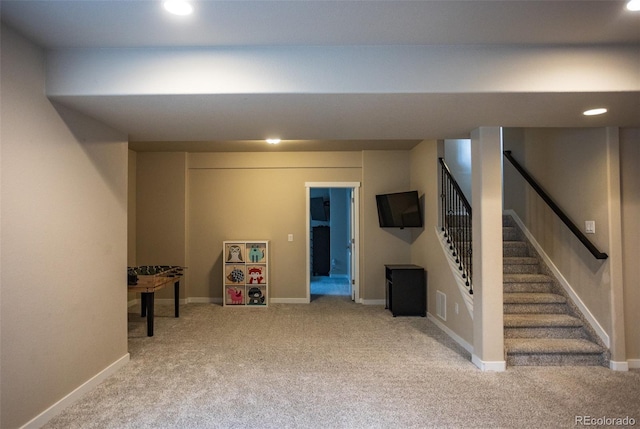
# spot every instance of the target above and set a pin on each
(246, 273)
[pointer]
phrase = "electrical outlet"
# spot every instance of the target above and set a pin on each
(456, 308)
(290, 237)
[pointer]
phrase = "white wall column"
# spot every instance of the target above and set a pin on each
(618, 360)
(486, 166)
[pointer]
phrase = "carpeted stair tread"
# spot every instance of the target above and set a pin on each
(533, 298)
(541, 321)
(514, 248)
(551, 346)
(525, 278)
(513, 243)
(510, 233)
(538, 327)
(519, 260)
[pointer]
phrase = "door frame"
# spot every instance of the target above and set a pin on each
(355, 192)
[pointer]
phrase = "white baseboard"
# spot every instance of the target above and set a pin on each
(202, 300)
(634, 363)
(208, 300)
(372, 301)
(289, 301)
(41, 419)
(171, 301)
(455, 337)
(496, 366)
(563, 282)
(619, 366)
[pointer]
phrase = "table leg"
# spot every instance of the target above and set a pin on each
(176, 296)
(149, 297)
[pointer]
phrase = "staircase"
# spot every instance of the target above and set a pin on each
(541, 325)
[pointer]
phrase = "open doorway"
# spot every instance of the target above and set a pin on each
(332, 239)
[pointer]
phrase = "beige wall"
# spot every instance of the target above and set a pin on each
(131, 216)
(457, 154)
(230, 196)
(383, 172)
(161, 213)
(514, 195)
(571, 165)
(131, 210)
(63, 248)
(630, 184)
(426, 250)
(245, 196)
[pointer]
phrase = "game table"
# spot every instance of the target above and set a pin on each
(146, 280)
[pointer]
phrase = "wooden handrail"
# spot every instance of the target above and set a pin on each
(454, 182)
(557, 210)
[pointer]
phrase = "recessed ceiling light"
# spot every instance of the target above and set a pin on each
(633, 5)
(273, 141)
(178, 7)
(594, 112)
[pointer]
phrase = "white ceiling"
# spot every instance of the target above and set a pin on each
(143, 23)
(393, 118)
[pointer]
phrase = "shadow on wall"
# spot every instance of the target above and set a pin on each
(91, 136)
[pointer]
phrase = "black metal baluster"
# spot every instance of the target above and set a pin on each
(456, 223)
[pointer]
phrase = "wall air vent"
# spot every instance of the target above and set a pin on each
(441, 305)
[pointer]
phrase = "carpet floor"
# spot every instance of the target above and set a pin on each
(331, 364)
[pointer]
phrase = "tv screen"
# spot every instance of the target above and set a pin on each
(399, 210)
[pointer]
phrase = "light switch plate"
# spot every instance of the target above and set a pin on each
(290, 237)
(590, 226)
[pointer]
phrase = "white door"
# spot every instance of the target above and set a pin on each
(352, 240)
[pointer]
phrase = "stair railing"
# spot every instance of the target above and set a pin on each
(557, 210)
(456, 223)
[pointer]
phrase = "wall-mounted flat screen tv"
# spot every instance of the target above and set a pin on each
(399, 210)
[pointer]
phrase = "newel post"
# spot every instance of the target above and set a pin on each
(486, 173)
